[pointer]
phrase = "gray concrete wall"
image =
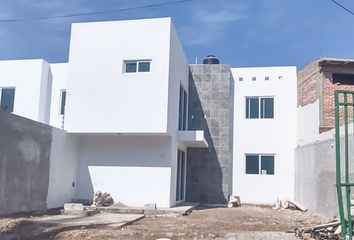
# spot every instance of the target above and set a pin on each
(209, 171)
(24, 164)
(315, 175)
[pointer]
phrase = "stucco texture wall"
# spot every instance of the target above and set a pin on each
(315, 175)
(24, 164)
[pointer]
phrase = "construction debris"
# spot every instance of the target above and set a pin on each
(325, 231)
(286, 203)
(102, 199)
(234, 201)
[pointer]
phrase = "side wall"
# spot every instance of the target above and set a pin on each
(134, 169)
(315, 177)
(63, 168)
(60, 81)
(178, 75)
(24, 164)
(38, 165)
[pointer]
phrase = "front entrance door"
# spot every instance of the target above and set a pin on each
(181, 176)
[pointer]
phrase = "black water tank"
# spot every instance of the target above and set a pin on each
(211, 59)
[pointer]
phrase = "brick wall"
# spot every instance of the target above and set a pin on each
(328, 119)
(315, 82)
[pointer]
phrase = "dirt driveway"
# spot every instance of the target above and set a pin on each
(248, 222)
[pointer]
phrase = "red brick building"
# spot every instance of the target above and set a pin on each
(318, 81)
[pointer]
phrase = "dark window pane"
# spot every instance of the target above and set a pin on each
(130, 67)
(7, 99)
(252, 164)
(252, 108)
(183, 163)
(185, 114)
(347, 79)
(63, 100)
(178, 182)
(267, 165)
(180, 115)
(267, 108)
(144, 66)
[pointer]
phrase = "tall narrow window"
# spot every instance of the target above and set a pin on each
(267, 107)
(181, 175)
(7, 99)
(183, 109)
(62, 101)
(252, 107)
(259, 107)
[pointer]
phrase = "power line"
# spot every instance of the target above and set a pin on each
(342, 6)
(96, 12)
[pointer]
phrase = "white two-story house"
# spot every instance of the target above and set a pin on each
(123, 100)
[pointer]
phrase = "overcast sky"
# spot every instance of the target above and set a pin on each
(239, 32)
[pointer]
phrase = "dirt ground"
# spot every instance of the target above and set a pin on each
(202, 223)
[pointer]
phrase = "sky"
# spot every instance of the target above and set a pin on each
(242, 33)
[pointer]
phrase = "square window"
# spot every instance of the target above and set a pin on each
(259, 107)
(254, 78)
(240, 79)
(259, 164)
(266, 78)
(7, 99)
(144, 67)
(130, 67)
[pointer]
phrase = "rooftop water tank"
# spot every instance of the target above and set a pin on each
(211, 59)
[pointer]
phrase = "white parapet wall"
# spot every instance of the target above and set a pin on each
(274, 136)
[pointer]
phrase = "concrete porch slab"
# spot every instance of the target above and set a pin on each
(109, 219)
(179, 209)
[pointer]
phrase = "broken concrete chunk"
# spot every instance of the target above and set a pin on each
(234, 201)
(150, 206)
(102, 199)
(74, 207)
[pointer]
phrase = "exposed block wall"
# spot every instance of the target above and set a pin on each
(209, 171)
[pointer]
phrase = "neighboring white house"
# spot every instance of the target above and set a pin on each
(123, 95)
(25, 88)
(264, 133)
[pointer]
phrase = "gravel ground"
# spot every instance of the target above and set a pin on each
(247, 222)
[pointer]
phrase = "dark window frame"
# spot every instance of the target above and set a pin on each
(183, 109)
(63, 95)
(12, 96)
(262, 160)
(259, 107)
(138, 66)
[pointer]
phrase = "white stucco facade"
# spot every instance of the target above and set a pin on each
(274, 136)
